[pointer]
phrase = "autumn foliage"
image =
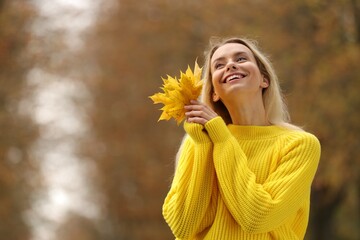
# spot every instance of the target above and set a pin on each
(313, 44)
(17, 130)
(178, 93)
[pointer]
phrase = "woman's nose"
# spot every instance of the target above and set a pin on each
(231, 66)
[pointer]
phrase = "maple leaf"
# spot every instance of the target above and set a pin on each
(178, 93)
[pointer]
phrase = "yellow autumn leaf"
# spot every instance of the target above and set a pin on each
(178, 93)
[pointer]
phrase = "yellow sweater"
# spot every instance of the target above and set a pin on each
(242, 182)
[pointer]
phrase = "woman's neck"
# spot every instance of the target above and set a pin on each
(249, 112)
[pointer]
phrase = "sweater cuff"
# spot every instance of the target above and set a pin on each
(217, 130)
(196, 132)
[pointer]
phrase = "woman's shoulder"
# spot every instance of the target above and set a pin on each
(298, 136)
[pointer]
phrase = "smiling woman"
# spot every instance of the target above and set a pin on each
(236, 79)
(249, 53)
(243, 171)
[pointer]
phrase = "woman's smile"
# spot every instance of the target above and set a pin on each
(234, 77)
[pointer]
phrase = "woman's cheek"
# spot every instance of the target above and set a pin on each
(216, 80)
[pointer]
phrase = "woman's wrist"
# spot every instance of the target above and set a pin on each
(217, 130)
(197, 132)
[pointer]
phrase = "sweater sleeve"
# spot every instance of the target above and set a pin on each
(259, 208)
(190, 206)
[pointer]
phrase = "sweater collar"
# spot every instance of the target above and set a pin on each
(255, 132)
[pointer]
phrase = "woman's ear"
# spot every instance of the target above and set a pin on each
(265, 83)
(215, 97)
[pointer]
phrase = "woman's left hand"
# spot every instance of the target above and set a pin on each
(198, 112)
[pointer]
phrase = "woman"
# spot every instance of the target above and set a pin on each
(243, 171)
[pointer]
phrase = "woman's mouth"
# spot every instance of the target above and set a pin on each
(233, 77)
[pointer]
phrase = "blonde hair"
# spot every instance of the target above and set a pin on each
(275, 107)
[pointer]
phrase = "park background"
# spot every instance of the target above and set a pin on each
(82, 155)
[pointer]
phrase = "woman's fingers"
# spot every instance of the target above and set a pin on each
(198, 112)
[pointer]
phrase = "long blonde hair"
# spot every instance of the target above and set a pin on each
(275, 107)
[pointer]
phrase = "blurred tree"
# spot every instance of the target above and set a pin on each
(314, 48)
(78, 226)
(355, 7)
(322, 62)
(17, 131)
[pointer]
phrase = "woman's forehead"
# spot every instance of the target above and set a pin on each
(230, 49)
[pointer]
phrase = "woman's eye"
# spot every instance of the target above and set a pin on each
(241, 59)
(219, 65)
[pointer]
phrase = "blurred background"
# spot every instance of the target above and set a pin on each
(81, 153)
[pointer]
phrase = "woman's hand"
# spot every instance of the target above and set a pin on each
(198, 112)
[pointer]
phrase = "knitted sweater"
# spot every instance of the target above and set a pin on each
(242, 182)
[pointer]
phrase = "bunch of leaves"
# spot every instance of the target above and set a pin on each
(178, 92)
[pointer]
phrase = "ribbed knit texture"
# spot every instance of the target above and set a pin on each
(242, 182)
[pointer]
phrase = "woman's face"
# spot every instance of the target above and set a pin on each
(234, 70)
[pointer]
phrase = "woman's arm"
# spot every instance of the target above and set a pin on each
(190, 205)
(263, 207)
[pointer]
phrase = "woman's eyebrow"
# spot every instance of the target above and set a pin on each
(241, 53)
(234, 54)
(218, 59)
